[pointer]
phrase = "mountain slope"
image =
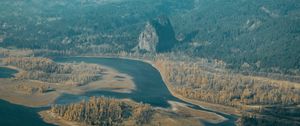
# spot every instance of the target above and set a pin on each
(262, 35)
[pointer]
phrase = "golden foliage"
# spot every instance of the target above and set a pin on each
(104, 112)
(196, 81)
(44, 69)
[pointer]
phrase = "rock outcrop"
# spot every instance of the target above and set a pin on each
(148, 39)
(158, 36)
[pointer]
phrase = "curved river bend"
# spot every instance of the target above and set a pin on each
(150, 87)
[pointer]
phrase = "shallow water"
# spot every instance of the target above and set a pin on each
(150, 89)
(149, 85)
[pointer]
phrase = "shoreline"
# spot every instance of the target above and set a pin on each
(52, 96)
(15, 91)
(209, 106)
(76, 90)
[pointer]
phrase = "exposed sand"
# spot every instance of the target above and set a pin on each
(112, 80)
(9, 92)
(51, 118)
(199, 114)
(169, 118)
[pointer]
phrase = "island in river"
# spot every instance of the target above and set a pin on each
(123, 79)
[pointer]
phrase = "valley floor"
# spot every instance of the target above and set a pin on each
(17, 92)
(20, 91)
(216, 107)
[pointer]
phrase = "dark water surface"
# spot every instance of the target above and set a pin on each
(149, 85)
(17, 115)
(150, 89)
(7, 72)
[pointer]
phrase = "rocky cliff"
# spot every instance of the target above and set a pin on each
(158, 36)
(148, 39)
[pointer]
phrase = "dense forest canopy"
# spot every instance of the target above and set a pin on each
(264, 35)
(105, 112)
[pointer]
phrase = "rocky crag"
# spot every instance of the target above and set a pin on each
(158, 36)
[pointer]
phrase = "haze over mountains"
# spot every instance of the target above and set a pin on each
(258, 35)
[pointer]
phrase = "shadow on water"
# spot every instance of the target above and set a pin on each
(17, 115)
(150, 87)
(7, 72)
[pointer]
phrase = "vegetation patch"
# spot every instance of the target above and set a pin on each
(105, 112)
(44, 69)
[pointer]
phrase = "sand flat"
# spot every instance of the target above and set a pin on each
(10, 92)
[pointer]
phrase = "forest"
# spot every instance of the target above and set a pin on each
(265, 35)
(103, 111)
(262, 101)
(275, 116)
(197, 82)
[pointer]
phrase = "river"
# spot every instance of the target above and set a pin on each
(7, 72)
(150, 87)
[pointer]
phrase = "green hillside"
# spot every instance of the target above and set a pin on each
(261, 35)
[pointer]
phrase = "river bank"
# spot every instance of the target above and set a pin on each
(20, 91)
(150, 87)
(206, 105)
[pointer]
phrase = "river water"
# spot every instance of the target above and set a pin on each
(7, 72)
(150, 89)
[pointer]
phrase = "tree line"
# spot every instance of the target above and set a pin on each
(103, 111)
(44, 69)
(195, 81)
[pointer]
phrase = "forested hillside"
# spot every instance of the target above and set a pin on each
(79, 24)
(262, 35)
